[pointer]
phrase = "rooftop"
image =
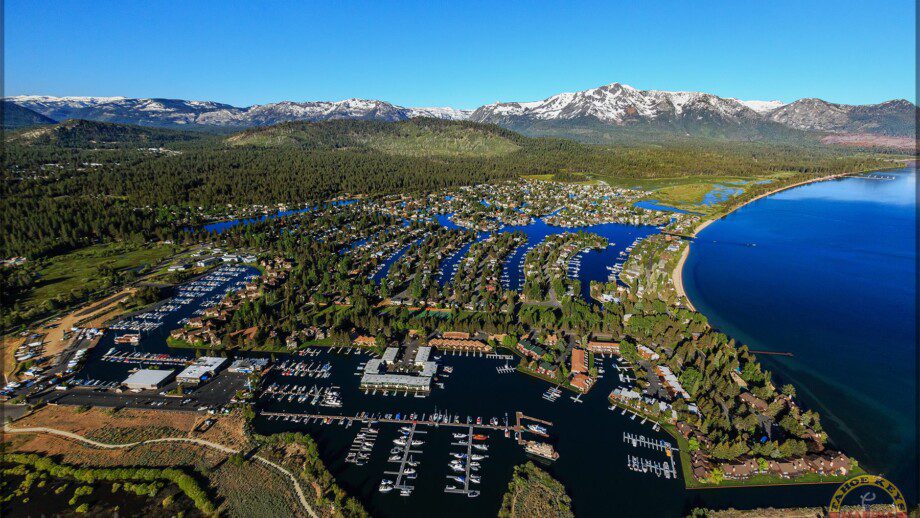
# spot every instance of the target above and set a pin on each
(148, 378)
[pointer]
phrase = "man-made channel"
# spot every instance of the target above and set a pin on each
(843, 305)
(828, 272)
(593, 265)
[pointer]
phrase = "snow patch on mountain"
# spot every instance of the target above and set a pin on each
(616, 104)
(440, 112)
(762, 106)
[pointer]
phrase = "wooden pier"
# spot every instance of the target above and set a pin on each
(466, 479)
(519, 428)
(405, 420)
(400, 484)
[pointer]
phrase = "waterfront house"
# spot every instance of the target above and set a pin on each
(836, 464)
(740, 469)
(840, 464)
(597, 347)
(530, 349)
(364, 341)
(738, 380)
(581, 382)
(579, 361)
(789, 468)
(547, 369)
(647, 353)
(671, 383)
(459, 345)
(754, 402)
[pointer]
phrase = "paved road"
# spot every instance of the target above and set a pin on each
(200, 442)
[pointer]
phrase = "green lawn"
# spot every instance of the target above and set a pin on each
(80, 270)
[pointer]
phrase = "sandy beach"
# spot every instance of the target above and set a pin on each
(678, 276)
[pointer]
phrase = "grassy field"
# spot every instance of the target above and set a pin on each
(688, 192)
(80, 270)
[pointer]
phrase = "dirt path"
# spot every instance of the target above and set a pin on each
(200, 442)
(95, 313)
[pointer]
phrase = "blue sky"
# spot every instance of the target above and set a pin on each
(461, 54)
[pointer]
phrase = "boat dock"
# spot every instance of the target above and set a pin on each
(405, 461)
(505, 369)
(666, 468)
(142, 358)
(362, 446)
(552, 394)
(467, 466)
(658, 468)
(519, 428)
(772, 353)
(367, 419)
(303, 369)
(654, 444)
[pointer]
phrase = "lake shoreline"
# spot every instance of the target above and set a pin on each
(677, 274)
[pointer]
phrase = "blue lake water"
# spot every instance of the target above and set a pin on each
(831, 277)
(654, 205)
(221, 226)
(593, 264)
(720, 193)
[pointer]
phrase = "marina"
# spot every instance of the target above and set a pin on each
(466, 462)
(362, 446)
(406, 446)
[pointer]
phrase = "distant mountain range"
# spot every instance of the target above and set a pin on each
(175, 112)
(599, 114)
(16, 116)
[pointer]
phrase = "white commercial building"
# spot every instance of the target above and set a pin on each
(203, 369)
(148, 379)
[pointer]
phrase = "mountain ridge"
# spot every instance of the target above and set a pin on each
(597, 114)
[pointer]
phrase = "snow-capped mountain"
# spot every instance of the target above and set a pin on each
(761, 106)
(617, 107)
(174, 112)
(440, 112)
(611, 109)
(618, 104)
(893, 118)
(148, 112)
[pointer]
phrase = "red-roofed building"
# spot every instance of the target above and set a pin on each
(579, 361)
(582, 382)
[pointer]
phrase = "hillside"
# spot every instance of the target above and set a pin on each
(413, 138)
(702, 130)
(94, 135)
(15, 116)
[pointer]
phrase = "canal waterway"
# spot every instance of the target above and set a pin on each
(593, 265)
(827, 271)
(587, 435)
(851, 357)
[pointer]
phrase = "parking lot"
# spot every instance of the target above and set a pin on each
(212, 395)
